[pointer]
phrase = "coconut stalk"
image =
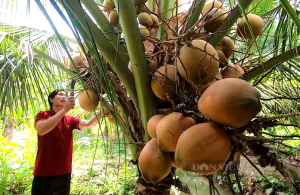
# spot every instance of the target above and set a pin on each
(268, 65)
(164, 8)
(229, 21)
(108, 51)
(105, 27)
(142, 78)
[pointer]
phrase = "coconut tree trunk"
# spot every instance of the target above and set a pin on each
(8, 129)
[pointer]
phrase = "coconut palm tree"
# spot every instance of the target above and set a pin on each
(113, 34)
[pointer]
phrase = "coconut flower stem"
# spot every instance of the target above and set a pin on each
(127, 19)
(288, 55)
(108, 30)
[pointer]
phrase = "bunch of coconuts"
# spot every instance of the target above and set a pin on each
(225, 99)
(147, 21)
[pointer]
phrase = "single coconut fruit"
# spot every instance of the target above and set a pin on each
(113, 17)
(226, 46)
(256, 23)
(231, 102)
(170, 128)
(174, 163)
(213, 19)
(203, 148)
(88, 100)
(108, 5)
(222, 58)
(163, 82)
(152, 124)
(212, 4)
(77, 58)
(199, 62)
(145, 19)
(232, 71)
(144, 31)
(155, 21)
(154, 163)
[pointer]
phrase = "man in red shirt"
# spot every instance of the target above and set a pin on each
(53, 166)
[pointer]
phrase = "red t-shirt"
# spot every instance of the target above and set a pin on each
(55, 149)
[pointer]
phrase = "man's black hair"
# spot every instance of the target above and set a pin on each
(53, 94)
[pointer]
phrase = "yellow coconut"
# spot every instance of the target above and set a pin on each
(144, 31)
(77, 58)
(145, 19)
(230, 102)
(213, 19)
(154, 21)
(226, 46)
(163, 82)
(256, 24)
(232, 71)
(154, 163)
(199, 62)
(203, 148)
(212, 4)
(170, 128)
(108, 5)
(88, 100)
(113, 17)
(152, 124)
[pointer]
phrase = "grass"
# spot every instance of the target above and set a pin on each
(99, 166)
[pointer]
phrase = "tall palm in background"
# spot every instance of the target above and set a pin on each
(32, 64)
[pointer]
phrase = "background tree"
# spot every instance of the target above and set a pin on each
(110, 36)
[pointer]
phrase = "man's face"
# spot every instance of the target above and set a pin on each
(60, 98)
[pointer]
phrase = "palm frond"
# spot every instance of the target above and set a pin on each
(30, 68)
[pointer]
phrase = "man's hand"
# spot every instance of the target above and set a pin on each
(70, 103)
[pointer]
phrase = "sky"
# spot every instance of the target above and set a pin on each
(19, 15)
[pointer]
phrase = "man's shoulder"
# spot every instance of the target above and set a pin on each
(45, 113)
